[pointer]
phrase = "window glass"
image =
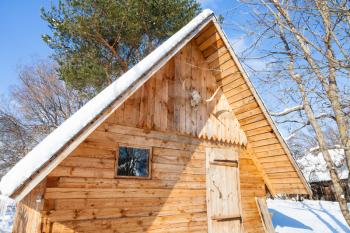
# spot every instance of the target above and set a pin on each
(133, 162)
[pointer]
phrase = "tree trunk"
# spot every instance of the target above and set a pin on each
(336, 183)
(329, 85)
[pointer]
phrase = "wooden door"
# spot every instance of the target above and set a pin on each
(223, 195)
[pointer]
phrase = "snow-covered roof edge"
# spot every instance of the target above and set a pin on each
(69, 129)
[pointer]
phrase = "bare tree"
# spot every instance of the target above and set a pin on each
(307, 43)
(36, 106)
(42, 99)
(15, 140)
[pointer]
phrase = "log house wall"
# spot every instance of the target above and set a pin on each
(28, 217)
(252, 186)
(82, 194)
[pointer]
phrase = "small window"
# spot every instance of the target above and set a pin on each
(133, 162)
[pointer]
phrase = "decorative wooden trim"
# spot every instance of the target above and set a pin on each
(134, 177)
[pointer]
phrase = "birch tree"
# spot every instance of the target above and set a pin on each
(307, 43)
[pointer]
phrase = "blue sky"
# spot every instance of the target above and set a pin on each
(20, 41)
(22, 27)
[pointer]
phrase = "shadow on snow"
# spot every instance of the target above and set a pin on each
(279, 219)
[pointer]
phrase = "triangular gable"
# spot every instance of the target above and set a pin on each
(182, 98)
(265, 144)
(35, 166)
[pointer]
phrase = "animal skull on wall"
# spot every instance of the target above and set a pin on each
(195, 99)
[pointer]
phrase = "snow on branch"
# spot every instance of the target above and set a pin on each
(287, 111)
(334, 147)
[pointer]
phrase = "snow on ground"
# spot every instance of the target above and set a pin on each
(287, 216)
(307, 216)
(7, 211)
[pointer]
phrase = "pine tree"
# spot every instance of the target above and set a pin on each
(95, 41)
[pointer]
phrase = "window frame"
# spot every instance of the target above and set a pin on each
(136, 147)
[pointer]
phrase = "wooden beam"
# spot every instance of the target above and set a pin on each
(229, 163)
(265, 215)
(226, 218)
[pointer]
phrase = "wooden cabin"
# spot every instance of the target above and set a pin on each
(180, 143)
(322, 190)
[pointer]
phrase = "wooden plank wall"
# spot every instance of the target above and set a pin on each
(28, 218)
(82, 193)
(252, 186)
(163, 103)
(83, 196)
(261, 136)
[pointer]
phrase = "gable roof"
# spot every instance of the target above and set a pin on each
(266, 146)
(39, 162)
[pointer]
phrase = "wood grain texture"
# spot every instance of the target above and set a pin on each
(252, 185)
(261, 133)
(80, 196)
(223, 195)
(28, 218)
(82, 191)
(170, 107)
(83, 195)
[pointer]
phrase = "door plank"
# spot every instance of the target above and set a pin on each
(223, 197)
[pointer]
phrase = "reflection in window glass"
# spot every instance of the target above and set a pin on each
(133, 161)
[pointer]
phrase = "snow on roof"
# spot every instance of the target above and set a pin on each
(61, 136)
(314, 166)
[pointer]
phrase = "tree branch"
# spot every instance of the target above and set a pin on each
(334, 147)
(287, 111)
